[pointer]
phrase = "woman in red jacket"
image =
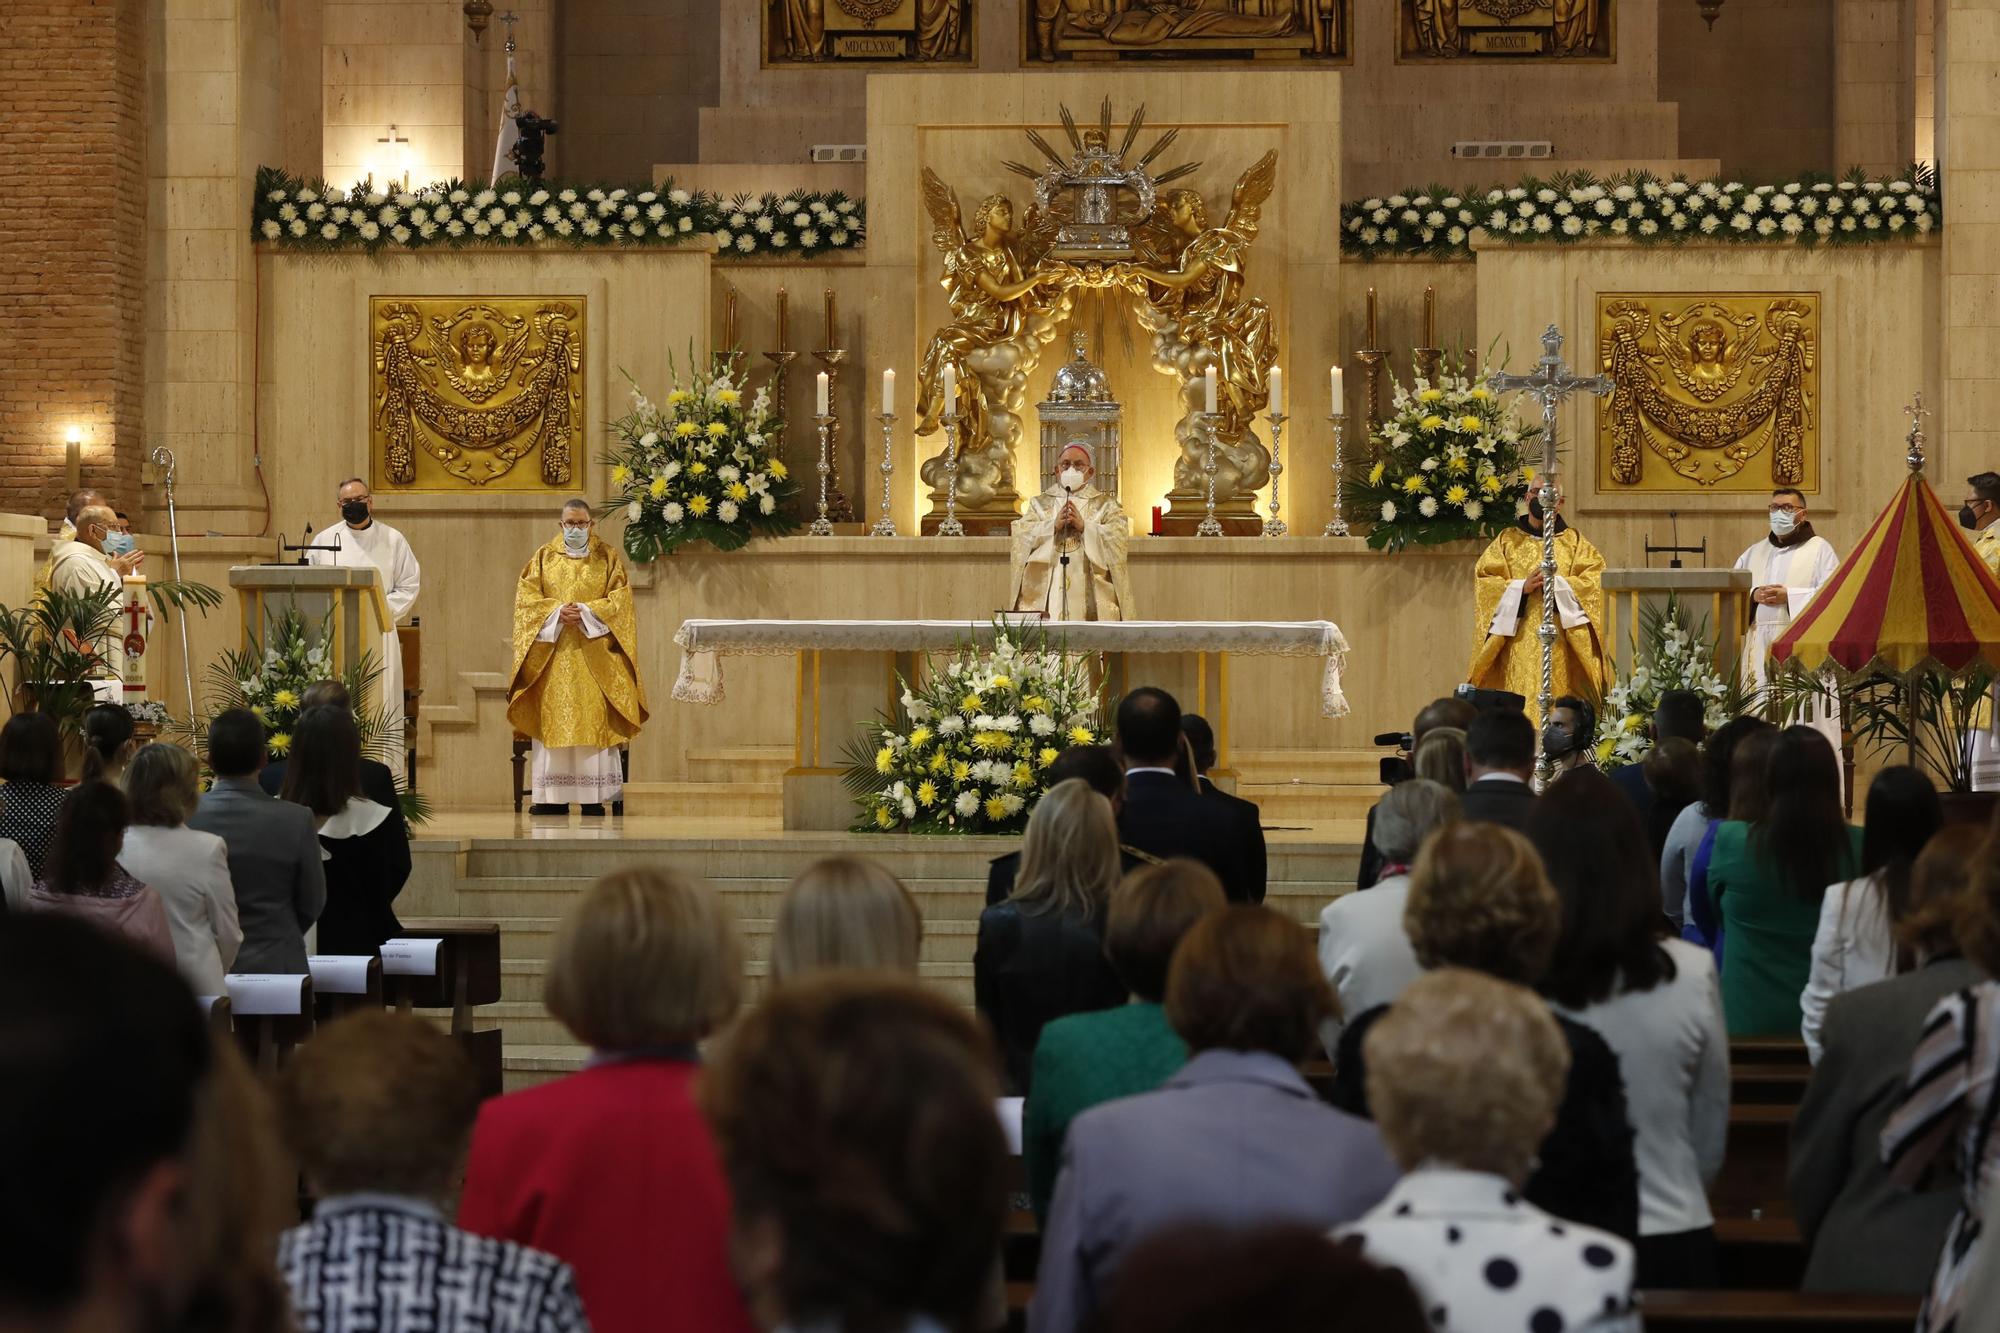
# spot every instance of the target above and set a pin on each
(612, 1169)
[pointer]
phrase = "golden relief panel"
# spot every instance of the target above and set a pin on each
(810, 32)
(1139, 30)
(476, 395)
(1716, 391)
(1504, 30)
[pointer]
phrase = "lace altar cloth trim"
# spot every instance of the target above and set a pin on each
(704, 642)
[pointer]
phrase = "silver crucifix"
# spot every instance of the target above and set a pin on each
(1550, 382)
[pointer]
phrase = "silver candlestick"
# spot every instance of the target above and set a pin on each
(951, 527)
(1338, 526)
(1210, 526)
(885, 526)
(823, 526)
(1275, 526)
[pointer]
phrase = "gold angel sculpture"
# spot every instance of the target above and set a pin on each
(1006, 306)
(1193, 303)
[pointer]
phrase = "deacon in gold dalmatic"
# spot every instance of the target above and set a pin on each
(1508, 613)
(575, 690)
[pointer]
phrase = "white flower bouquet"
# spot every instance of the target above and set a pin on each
(1671, 656)
(970, 747)
(703, 466)
(1450, 465)
(1438, 223)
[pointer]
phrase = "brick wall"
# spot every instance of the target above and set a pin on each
(72, 259)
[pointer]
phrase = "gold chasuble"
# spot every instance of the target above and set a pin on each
(1513, 661)
(581, 689)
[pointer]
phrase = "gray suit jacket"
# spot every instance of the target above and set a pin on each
(1865, 1232)
(1235, 1138)
(274, 863)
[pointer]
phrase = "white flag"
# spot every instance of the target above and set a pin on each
(510, 133)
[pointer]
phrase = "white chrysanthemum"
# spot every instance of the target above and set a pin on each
(579, 211)
(427, 229)
(1388, 511)
(509, 229)
(327, 231)
(838, 238)
(678, 196)
(746, 243)
(482, 228)
(1428, 506)
(687, 224)
(967, 803)
(727, 511)
(767, 504)
(591, 227)
(565, 227)
(400, 234)
(1475, 509)
(672, 512)
(288, 211)
(483, 198)
(951, 725)
(271, 230)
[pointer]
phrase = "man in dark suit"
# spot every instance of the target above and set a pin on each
(378, 781)
(1499, 761)
(1677, 714)
(1162, 814)
(1449, 711)
(1096, 765)
(1248, 817)
(273, 848)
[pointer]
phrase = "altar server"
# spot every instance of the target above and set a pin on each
(363, 541)
(1508, 610)
(81, 566)
(1069, 547)
(575, 690)
(1786, 569)
(1981, 513)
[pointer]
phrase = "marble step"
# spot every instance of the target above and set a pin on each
(744, 763)
(739, 799)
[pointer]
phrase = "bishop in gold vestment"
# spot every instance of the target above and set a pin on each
(1508, 614)
(1069, 547)
(575, 691)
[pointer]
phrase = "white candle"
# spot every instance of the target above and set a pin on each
(1277, 392)
(820, 396)
(1339, 393)
(1208, 391)
(950, 391)
(888, 393)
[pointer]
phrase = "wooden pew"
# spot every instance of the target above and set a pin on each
(343, 983)
(220, 1022)
(1764, 1311)
(464, 973)
(271, 1013)
(1752, 1183)
(1759, 1254)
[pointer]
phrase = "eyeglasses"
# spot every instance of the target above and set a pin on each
(1786, 509)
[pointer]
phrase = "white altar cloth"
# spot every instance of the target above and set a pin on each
(703, 642)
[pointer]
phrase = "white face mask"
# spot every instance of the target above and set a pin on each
(576, 539)
(1782, 523)
(1071, 478)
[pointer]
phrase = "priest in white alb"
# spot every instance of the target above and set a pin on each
(80, 566)
(1786, 568)
(365, 542)
(575, 690)
(1069, 547)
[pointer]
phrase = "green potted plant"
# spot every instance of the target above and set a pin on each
(54, 647)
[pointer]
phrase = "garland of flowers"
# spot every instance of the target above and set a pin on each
(1437, 223)
(1671, 656)
(297, 214)
(971, 747)
(704, 467)
(1452, 464)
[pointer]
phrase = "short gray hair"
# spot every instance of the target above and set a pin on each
(1410, 813)
(577, 502)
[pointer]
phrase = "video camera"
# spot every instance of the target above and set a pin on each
(1395, 768)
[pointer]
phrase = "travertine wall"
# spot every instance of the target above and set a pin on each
(1757, 91)
(1874, 84)
(72, 246)
(634, 76)
(1968, 49)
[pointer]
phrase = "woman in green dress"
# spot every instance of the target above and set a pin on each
(1767, 878)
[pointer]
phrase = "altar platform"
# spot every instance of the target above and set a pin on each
(527, 872)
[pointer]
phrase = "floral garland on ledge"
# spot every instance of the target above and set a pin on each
(298, 214)
(1437, 223)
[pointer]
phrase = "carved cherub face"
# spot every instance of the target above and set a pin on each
(476, 345)
(1707, 341)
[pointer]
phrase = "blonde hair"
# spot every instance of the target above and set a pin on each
(648, 958)
(162, 785)
(1440, 757)
(1466, 1070)
(1480, 899)
(845, 912)
(1069, 858)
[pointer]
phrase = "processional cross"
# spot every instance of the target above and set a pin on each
(1551, 382)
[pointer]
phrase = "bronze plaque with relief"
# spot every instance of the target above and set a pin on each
(1504, 30)
(1285, 31)
(807, 32)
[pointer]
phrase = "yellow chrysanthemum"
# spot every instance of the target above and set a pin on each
(1375, 473)
(1469, 423)
(685, 429)
(1082, 735)
(1457, 495)
(679, 397)
(1431, 396)
(927, 792)
(920, 737)
(885, 760)
(1413, 483)
(620, 475)
(991, 740)
(995, 808)
(1480, 393)
(971, 703)
(738, 491)
(961, 771)
(257, 709)
(1490, 485)
(1047, 756)
(1003, 682)
(1035, 703)
(779, 470)
(698, 505)
(938, 760)
(697, 468)
(728, 397)
(1432, 422)
(281, 742)
(658, 488)
(884, 817)
(285, 699)
(717, 430)
(1528, 475)
(1023, 775)
(1458, 467)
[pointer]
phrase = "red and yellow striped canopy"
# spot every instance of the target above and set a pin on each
(1913, 594)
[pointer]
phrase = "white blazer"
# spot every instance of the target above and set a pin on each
(15, 877)
(189, 869)
(1364, 951)
(1853, 947)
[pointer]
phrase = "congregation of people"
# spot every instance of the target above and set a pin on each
(1527, 1009)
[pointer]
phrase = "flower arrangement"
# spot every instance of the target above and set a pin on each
(702, 467)
(1450, 464)
(970, 749)
(1671, 656)
(272, 684)
(1437, 223)
(299, 214)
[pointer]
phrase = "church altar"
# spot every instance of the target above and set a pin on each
(848, 670)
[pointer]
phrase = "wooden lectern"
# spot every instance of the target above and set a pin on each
(1715, 604)
(344, 601)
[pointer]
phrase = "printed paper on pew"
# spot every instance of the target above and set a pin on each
(410, 958)
(1010, 1121)
(255, 994)
(340, 973)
